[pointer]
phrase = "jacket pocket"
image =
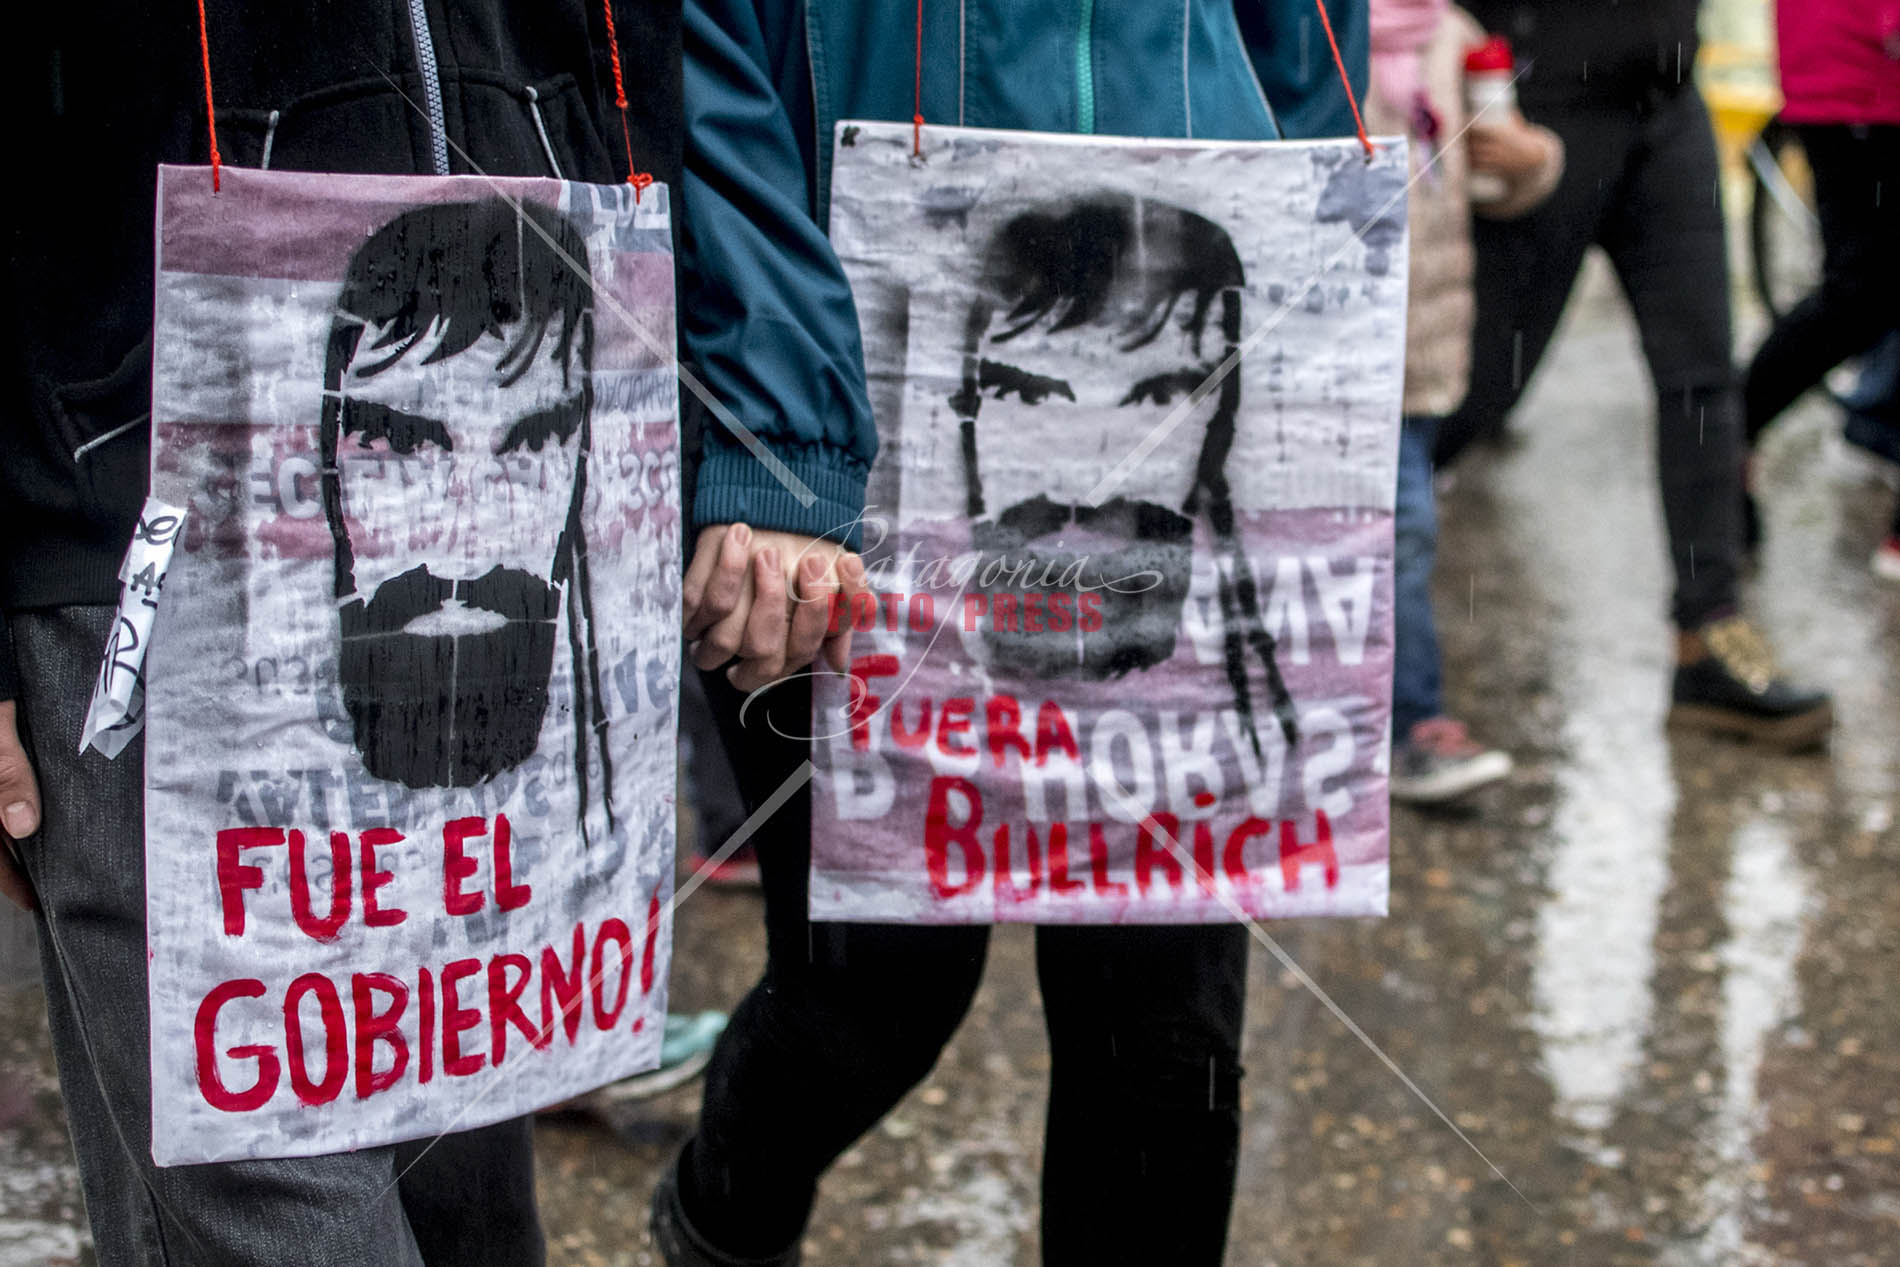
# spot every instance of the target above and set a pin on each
(104, 428)
(571, 135)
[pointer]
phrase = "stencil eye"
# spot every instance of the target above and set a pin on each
(1161, 389)
(530, 434)
(402, 433)
(1031, 389)
(1032, 393)
(1158, 389)
(535, 430)
(403, 436)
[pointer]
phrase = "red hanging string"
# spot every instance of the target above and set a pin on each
(1359, 124)
(638, 179)
(211, 114)
(917, 102)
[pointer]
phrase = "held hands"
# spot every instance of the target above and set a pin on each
(766, 598)
(19, 809)
(1510, 147)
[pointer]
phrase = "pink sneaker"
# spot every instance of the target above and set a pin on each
(1439, 762)
(1886, 560)
(737, 870)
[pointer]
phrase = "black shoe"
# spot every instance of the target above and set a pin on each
(1734, 689)
(680, 1245)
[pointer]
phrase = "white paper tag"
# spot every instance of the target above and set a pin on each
(118, 698)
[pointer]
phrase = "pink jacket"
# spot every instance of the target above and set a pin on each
(1840, 60)
(1439, 302)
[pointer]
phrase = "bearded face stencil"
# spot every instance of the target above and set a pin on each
(454, 434)
(1109, 311)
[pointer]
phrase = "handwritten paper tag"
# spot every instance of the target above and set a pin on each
(118, 698)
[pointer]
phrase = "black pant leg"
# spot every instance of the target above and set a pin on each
(1143, 1131)
(846, 1019)
(87, 866)
(1668, 242)
(1857, 196)
(711, 788)
(469, 1196)
(1525, 269)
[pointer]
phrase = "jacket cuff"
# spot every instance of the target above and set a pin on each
(736, 487)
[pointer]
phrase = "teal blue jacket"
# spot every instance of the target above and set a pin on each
(767, 324)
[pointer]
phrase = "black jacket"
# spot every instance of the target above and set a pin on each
(1607, 52)
(106, 93)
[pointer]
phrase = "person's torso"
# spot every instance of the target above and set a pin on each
(103, 95)
(1439, 300)
(1840, 60)
(1116, 67)
(336, 85)
(1596, 50)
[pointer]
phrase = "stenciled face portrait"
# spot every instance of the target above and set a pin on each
(456, 429)
(1095, 324)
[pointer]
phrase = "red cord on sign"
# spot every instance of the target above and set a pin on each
(1359, 124)
(638, 179)
(211, 114)
(917, 104)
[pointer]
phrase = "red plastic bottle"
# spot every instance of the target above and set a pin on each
(1491, 99)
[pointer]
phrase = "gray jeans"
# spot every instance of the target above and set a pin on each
(466, 1198)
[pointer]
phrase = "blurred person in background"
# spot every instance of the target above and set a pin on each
(1872, 408)
(1418, 88)
(1615, 82)
(1840, 81)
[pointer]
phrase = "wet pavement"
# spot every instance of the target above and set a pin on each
(1654, 979)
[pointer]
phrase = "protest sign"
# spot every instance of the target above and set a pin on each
(1128, 651)
(410, 695)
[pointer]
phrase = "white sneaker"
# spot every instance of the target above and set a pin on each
(1439, 762)
(1886, 560)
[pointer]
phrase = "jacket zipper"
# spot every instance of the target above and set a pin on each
(1253, 75)
(1085, 66)
(431, 87)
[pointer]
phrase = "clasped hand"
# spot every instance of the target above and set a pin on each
(765, 599)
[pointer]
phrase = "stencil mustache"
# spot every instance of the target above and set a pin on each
(1143, 582)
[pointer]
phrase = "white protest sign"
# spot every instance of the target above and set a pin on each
(1128, 654)
(411, 693)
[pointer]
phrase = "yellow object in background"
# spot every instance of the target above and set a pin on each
(1737, 72)
(1742, 91)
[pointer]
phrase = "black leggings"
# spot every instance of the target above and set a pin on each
(1640, 181)
(1857, 195)
(1144, 1023)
